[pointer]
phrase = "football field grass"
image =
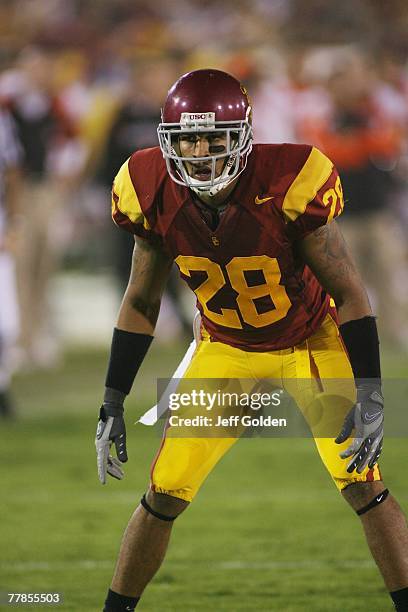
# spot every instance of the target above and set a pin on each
(268, 531)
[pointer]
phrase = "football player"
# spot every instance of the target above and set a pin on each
(252, 230)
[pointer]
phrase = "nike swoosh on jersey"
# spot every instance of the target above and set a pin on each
(259, 200)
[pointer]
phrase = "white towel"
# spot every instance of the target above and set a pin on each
(152, 416)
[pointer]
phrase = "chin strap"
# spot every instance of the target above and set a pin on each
(224, 180)
(211, 191)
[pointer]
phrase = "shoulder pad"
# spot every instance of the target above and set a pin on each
(315, 197)
(126, 209)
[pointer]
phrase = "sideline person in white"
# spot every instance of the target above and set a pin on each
(10, 157)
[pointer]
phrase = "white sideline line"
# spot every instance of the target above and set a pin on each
(343, 564)
(90, 564)
(56, 565)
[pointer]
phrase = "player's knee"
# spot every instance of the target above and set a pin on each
(163, 506)
(174, 483)
(360, 494)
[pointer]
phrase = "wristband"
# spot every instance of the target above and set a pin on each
(127, 353)
(360, 337)
(113, 396)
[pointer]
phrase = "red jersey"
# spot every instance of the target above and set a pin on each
(253, 290)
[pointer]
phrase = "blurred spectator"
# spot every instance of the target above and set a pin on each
(135, 127)
(284, 104)
(393, 98)
(364, 140)
(52, 159)
(10, 160)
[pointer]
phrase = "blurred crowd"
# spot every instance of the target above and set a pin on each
(81, 85)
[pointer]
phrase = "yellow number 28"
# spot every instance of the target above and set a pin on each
(331, 197)
(235, 270)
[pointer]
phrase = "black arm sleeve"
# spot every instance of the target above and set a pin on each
(127, 353)
(360, 337)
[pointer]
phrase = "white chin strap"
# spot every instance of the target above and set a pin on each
(212, 191)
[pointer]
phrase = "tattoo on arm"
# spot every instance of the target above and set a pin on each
(148, 310)
(149, 273)
(332, 252)
(326, 253)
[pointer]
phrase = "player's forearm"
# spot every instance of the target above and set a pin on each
(138, 314)
(352, 304)
(132, 337)
(358, 330)
(326, 254)
(141, 303)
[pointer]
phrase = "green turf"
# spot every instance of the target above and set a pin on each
(268, 531)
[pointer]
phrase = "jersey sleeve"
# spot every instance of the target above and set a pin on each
(315, 197)
(126, 210)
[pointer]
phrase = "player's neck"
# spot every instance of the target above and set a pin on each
(219, 198)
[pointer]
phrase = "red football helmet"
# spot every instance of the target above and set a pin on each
(206, 101)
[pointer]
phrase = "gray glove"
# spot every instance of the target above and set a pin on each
(367, 419)
(111, 429)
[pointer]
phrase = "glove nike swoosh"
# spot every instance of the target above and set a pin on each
(371, 417)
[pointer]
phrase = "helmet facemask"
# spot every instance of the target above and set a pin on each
(238, 136)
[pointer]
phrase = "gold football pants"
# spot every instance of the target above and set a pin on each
(182, 463)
